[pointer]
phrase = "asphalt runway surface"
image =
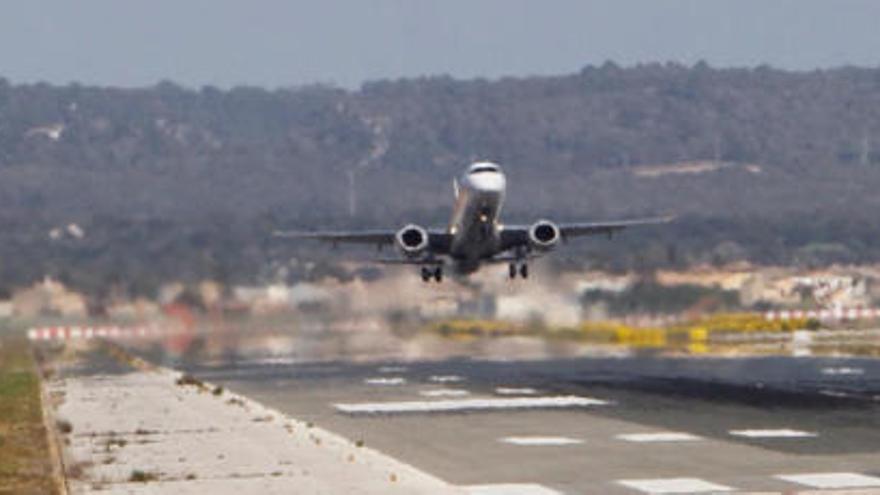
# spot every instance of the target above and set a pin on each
(596, 425)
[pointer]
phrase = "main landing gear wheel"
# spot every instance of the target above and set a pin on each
(523, 271)
(429, 273)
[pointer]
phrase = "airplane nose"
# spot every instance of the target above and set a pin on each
(488, 182)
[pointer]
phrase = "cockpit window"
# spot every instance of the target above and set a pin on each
(486, 168)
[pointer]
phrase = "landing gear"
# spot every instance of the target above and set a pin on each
(523, 270)
(429, 273)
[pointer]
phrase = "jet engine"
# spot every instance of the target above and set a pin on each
(412, 240)
(544, 235)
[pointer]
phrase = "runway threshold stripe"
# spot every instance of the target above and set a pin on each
(445, 392)
(832, 480)
(510, 488)
(664, 436)
(458, 405)
(778, 433)
(515, 391)
(540, 441)
(674, 485)
(385, 381)
(842, 370)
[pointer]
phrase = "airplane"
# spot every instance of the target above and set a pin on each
(475, 236)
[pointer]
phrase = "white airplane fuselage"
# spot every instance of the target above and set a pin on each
(474, 225)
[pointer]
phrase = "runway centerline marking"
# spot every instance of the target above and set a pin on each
(392, 369)
(444, 392)
(832, 480)
(837, 394)
(663, 436)
(458, 405)
(674, 485)
(395, 380)
(540, 441)
(509, 488)
(446, 378)
(515, 391)
(842, 370)
(773, 433)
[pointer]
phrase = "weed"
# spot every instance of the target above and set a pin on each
(187, 379)
(64, 426)
(138, 476)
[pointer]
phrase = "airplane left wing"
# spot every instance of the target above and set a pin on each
(516, 236)
(608, 228)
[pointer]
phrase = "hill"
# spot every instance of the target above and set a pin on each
(170, 182)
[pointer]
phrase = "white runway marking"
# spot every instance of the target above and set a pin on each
(510, 489)
(396, 380)
(392, 369)
(832, 480)
(446, 378)
(515, 391)
(843, 371)
(444, 392)
(275, 361)
(540, 441)
(664, 436)
(675, 485)
(780, 433)
(456, 405)
(834, 393)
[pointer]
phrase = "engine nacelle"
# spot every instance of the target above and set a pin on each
(412, 240)
(544, 235)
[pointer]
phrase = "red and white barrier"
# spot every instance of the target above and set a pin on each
(104, 332)
(824, 314)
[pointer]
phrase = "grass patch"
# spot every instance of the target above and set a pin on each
(25, 465)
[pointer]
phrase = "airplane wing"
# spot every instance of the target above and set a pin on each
(375, 237)
(438, 241)
(404, 261)
(608, 228)
(514, 236)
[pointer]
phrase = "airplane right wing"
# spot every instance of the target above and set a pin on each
(439, 242)
(374, 237)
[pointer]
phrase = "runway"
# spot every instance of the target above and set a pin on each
(596, 425)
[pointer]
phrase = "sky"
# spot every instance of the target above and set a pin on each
(284, 43)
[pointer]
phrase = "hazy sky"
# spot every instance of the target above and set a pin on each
(287, 42)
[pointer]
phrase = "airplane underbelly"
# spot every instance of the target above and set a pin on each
(477, 236)
(475, 222)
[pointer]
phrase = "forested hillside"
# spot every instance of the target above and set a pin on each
(171, 182)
